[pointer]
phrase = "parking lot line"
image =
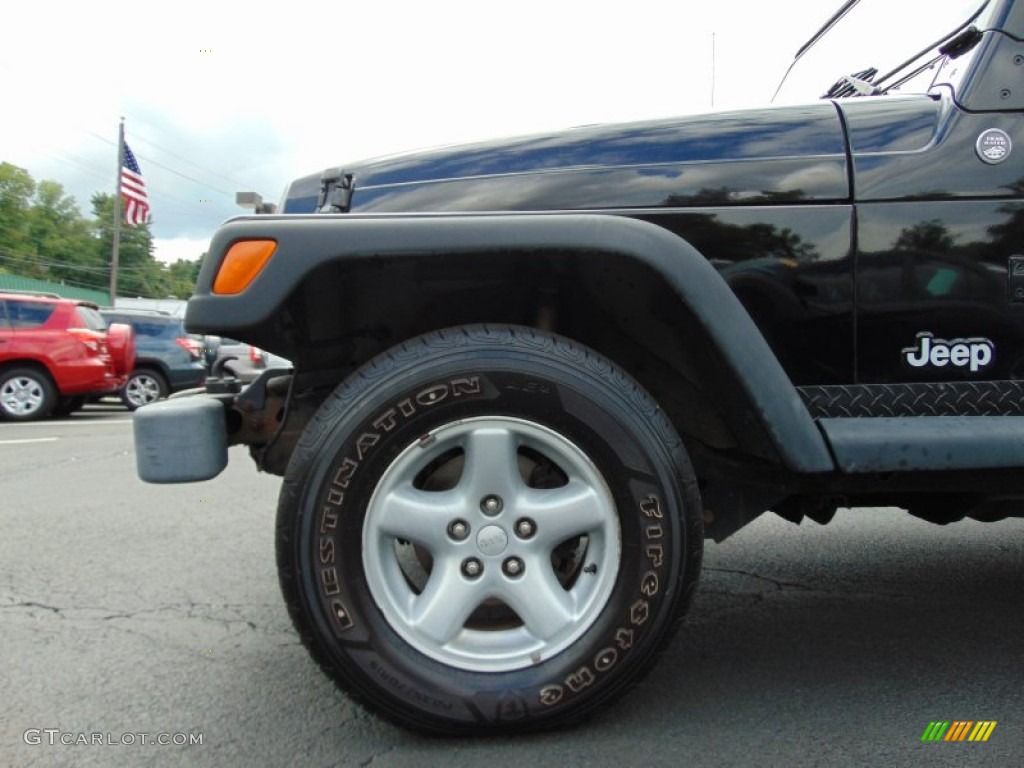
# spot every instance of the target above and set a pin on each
(75, 423)
(30, 440)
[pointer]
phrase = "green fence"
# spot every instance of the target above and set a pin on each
(18, 283)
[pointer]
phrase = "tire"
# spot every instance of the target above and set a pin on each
(488, 530)
(144, 386)
(26, 394)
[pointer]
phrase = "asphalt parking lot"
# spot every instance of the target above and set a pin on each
(130, 610)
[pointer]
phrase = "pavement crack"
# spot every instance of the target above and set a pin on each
(227, 615)
(33, 605)
(777, 583)
(375, 755)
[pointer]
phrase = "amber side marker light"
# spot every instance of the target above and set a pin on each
(241, 264)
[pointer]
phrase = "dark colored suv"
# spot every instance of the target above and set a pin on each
(167, 359)
(54, 353)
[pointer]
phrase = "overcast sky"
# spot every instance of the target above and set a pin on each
(221, 96)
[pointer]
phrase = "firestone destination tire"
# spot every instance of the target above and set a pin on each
(488, 530)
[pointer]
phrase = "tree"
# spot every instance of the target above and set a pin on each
(62, 239)
(138, 272)
(929, 236)
(182, 276)
(16, 190)
(43, 234)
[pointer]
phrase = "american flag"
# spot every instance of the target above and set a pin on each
(133, 190)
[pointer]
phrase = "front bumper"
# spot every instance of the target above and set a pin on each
(181, 440)
(185, 438)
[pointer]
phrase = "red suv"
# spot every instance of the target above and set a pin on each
(55, 352)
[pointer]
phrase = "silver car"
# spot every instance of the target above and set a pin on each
(245, 361)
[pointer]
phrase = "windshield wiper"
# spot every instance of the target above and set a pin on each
(857, 84)
(957, 43)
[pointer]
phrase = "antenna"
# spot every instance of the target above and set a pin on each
(712, 70)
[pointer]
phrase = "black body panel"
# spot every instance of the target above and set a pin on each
(936, 228)
(763, 194)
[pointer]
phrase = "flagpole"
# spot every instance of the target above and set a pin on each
(116, 245)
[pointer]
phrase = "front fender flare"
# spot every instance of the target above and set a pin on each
(307, 242)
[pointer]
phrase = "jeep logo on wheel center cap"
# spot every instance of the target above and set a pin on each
(492, 540)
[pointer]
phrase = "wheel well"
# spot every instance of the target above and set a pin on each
(154, 366)
(35, 365)
(344, 313)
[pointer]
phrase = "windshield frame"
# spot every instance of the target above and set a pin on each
(823, 33)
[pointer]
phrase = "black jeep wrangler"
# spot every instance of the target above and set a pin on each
(532, 375)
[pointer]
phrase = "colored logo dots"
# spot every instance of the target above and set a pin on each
(958, 730)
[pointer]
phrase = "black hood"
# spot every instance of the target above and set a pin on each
(755, 156)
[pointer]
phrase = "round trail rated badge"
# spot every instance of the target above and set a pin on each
(994, 146)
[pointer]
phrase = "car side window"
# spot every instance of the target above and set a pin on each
(4, 322)
(29, 314)
(146, 327)
(90, 318)
(173, 330)
(150, 330)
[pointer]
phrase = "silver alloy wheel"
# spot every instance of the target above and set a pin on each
(142, 389)
(536, 567)
(22, 396)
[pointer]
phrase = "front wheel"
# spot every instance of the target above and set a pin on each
(488, 529)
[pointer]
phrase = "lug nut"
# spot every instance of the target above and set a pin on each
(471, 567)
(458, 529)
(525, 528)
(513, 567)
(491, 505)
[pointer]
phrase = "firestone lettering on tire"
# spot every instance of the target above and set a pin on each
(550, 695)
(650, 507)
(580, 679)
(605, 659)
(649, 585)
(342, 618)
